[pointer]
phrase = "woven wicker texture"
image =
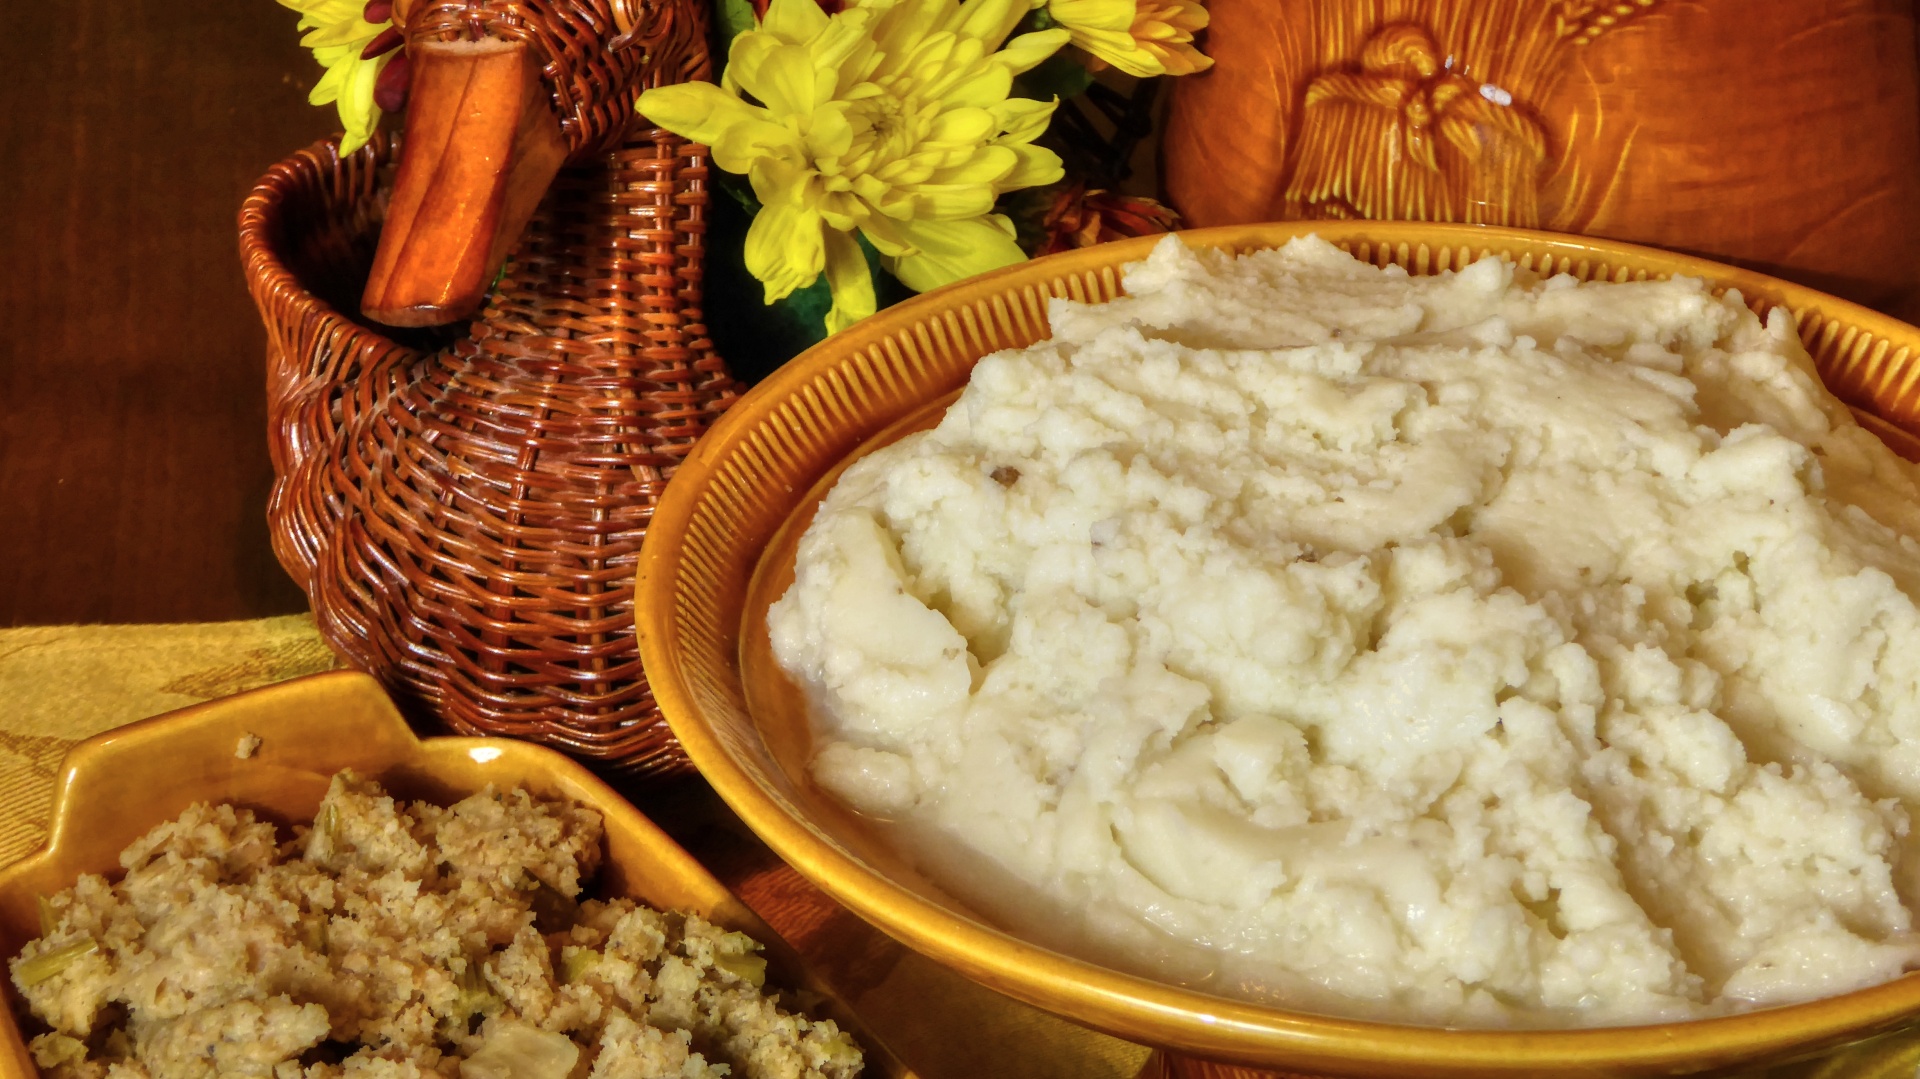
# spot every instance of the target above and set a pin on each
(466, 521)
(600, 53)
(722, 549)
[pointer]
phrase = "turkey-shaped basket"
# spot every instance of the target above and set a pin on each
(464, 510)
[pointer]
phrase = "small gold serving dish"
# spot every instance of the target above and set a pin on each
(116, 786)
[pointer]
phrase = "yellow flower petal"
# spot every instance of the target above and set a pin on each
(830, 134)
(783, 79)
(1082, 16)
(962, 126)
(736, 131)
(1166, 29)
(844, 54)
(746, 54)
(355, 34)
(358, 114)
(699, 111)
(794, 21)
(782, 181)
(327, 90)
(991, 20)
(935, 202)
(885, 236)
(838, 216)
(982, 88)
(738, 149)
(946, 251)
(337, 32)
(890, 118)
(784, 249)
(1027, 51)
(848, 280)
(1155, 37)
(982, 169)
(1037, 167)
(1023, 119)
(325, 10)
(901, 26)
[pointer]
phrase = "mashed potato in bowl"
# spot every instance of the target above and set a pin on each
(1464, 649)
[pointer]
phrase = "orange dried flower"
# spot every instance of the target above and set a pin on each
(1082, 218)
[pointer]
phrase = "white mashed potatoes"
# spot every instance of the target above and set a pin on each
(1474, 649)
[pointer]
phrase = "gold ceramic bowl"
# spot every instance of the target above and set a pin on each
(116, 786)
(720, 549)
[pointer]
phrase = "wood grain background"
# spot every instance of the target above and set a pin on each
(133, 461)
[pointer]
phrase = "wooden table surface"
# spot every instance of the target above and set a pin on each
(133, 460)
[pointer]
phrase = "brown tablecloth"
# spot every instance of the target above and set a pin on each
(61, 684)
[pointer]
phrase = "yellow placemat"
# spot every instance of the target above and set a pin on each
(62, 684)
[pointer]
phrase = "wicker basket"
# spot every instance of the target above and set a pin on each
(466, 520)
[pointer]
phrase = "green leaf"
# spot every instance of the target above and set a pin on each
(754, 337)
(1061, 75)
(732, 18)
(740, 190)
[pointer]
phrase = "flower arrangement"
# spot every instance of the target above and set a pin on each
(892, 140)
(877, 147)
(890, 122)
(1143, 38)
(356, 41)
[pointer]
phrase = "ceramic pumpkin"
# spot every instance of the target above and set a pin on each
(1780, 134)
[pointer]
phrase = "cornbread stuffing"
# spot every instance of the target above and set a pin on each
(397, 940)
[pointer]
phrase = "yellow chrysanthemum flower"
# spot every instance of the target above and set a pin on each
(891, 118)
(338, 33)
(1140, 37)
